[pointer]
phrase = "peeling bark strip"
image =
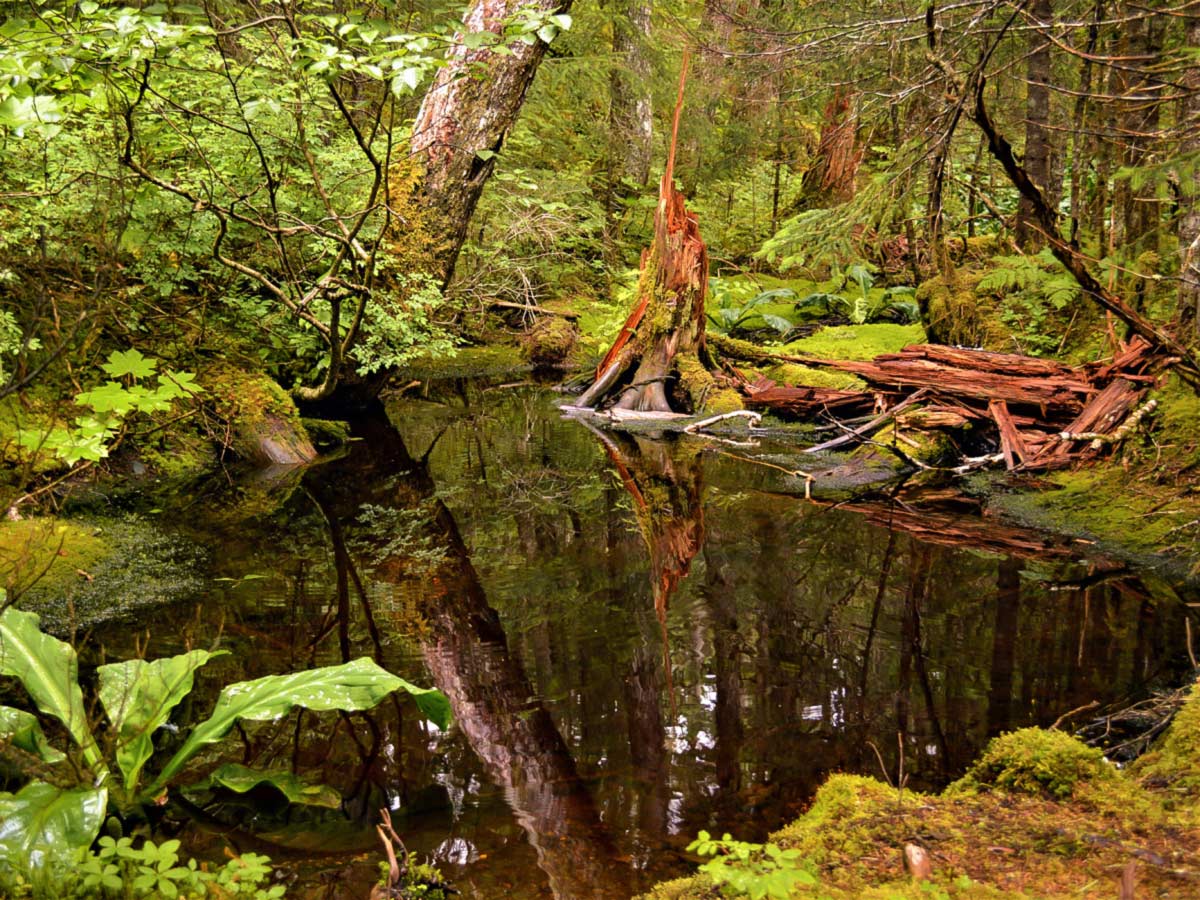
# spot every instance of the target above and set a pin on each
(471, 106)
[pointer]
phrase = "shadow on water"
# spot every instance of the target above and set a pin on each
(639, 639)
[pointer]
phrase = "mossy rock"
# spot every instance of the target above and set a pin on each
(1036, 761)
(550, 342)
(264, 423)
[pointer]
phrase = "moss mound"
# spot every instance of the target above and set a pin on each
(1035, 761)
(1174, 763)
(1039, 815)
(264, 424)
(860, 342)
(550, 342)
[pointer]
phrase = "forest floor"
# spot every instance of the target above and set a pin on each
(1038, 815)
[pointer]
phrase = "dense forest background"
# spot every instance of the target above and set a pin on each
(271, 186)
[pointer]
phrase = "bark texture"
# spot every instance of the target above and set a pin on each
(630, 115)
(1189, 221)
(470, 108)
(1037, 125)
(832, 177)
(630, 112)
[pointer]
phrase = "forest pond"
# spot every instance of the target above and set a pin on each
(640, 639)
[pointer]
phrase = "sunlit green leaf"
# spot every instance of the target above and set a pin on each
(20, 729)
(48, 669)
(138, 697)
(355, 685)
(45, 825)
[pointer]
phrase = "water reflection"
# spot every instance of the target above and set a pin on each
(639, 639)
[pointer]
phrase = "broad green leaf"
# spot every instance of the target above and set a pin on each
(359, 684)
(43, 824)
(129, 362)
(110, 396)
(21, 730)
(241, 779)
(48, 669)
(138, 697)
(779, 323)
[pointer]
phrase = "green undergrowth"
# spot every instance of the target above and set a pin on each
(487, 360)
(1039, 815)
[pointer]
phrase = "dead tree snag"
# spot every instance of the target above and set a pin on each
(657, 362)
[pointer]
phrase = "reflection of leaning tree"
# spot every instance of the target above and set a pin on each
(466, 651)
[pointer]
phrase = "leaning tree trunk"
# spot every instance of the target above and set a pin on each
(659, 351)
(470, 107)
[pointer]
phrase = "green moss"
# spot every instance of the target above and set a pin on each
(858, 342)
(1035, 761)
(1174, 763)
(550, 341)
(264, 423)
(467, 362)
(956, 314)
(54, 554)
(113, 568)
(933, 448)
(704, 393)
(806, 376)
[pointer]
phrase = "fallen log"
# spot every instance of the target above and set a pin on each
(900, 372)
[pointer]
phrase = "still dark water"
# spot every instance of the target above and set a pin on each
(640, 639)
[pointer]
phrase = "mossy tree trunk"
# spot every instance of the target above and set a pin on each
(660, 350)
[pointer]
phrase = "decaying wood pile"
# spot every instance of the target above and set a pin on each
(1046, 414)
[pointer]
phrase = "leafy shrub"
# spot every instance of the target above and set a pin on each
(117, 870)
(47, 825)
(752, 870)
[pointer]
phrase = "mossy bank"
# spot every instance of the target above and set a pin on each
(1038, 815)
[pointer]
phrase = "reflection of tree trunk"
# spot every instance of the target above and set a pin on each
(727, 659)
(466, 652)
(1004, 645)
(647, 738)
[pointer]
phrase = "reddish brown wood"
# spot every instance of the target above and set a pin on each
(1012, 444)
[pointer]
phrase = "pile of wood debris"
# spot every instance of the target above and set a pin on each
(1046, 414)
